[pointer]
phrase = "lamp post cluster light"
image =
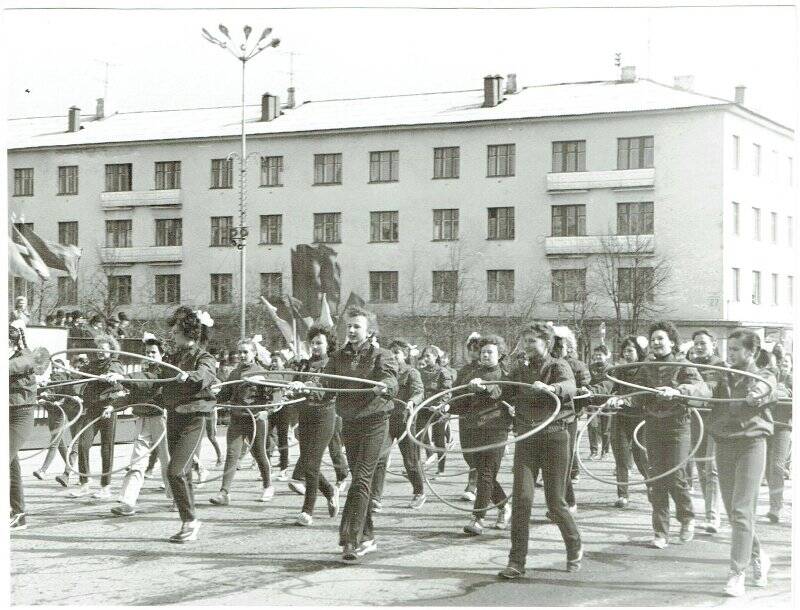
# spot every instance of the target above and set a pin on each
(244, 52)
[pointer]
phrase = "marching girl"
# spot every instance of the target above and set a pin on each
(435, 378)
(741, 430)
(779, 444)
(466, 433)
(240, 426)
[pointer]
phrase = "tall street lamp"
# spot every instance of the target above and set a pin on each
(244, 52)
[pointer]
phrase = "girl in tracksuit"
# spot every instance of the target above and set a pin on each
(467, 433)
(21, 402)
(435, 378)
(780, 443)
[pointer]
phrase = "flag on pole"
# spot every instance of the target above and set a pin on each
(55, 256)
(23, 258)
(325, 319)
(355, 301)
(282, 325)
(315, 272)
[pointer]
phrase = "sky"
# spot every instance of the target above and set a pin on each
(157, 59)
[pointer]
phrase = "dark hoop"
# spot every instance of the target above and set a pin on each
(285, 384)
(96, 350)
(687, 364)
(61, 384)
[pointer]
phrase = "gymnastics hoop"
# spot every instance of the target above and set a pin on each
(97, 350)
(61, 384)
(249, 442)
(285, 384)
(55, 438)
(687, 364)
(401, 437)
(497, 445)
(667, 473)
(445, 419)
(121, 468)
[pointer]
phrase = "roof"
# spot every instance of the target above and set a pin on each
(536, 102)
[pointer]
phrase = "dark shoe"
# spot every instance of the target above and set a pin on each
(38, 474)
(377, 507)
(773, 518)
(510, 573)
(349, 553)
(63, 479)
(188, 533)
(574, 560)
(123, 510)
(621, 502)
(17, 523)
(333, 503)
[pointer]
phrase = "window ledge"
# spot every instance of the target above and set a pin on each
(384, 241)
(326, 242)
(383, 181)
(502, 176)
(447, 239)
(23, 195)
(220, 188)
(65, 194)
(270, 243)
(445, 178)
(500, 239)
(270, 186)
(326, 184)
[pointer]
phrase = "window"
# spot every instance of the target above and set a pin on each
(18, 287)
(736, 284)
(445, 224)
(790, 290)
(119, 289)
(756, 160)
(501, 223)
(383, 286)
(736, 221)
(756, 288)
(569, 156)
(23, 182)
(635, 153)
(384, 166)
(790, 231)
(68, 180)
(736, 152)
(500, 286)
(327, 228)
(67, 291)
(568, 220)
(635, 284)
(757, 224)
(168, 289)
(271, 171)
(168, 175)
(328, 169)
(774, 227)
(271, 286)
(383, 226)
(221, 230)
(118, 233)
(446, 162)
(445, 286)
(221, 173)
(272, 229)
(774, 288)
(119, 177)
(169, 232)
(635, 218)
(221, 288)
(500, 160)
(68, 233)
(568, 285)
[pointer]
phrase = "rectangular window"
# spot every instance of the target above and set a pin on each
(500, 160)
(272, 229)
(383, 286)
(445, 224)
(221, 230)
(168, 175)
(327, 228)
(756, 160)
(384, 166)
(445, 286)
(328, 169)
(790, 290)
(736, 220)
(19, 287)
(635, 153)
(67, 291)
(169, 232)
(168, 289)
(774, 227)
(635, 284)
(221, 173)
(119, 177)
(500, 286)
(568, 220)
(271, 286)
(736, 152)
(568, 285)
(23, 182)
(383, 226)
(119, 289)
(68, 180)
(569, 156)
(774, 288)
(119, 233)
(635, 218)
(757, 224)
(501, 223)
(221, 288)
(271, 171)
(446, 162)
(736, 285)
(68, 233)
(756, 297)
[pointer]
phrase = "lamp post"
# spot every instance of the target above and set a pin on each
(244, 52)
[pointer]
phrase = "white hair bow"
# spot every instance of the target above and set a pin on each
(413, 351)
(148, 337)
(257, 339)
(642, 341)
(205, 318)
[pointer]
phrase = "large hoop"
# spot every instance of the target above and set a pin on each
(285, 384)
(96, 350)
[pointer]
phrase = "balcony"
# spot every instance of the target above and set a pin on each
(132, 199)
(598, 244)
(142, 254)
(610, 179)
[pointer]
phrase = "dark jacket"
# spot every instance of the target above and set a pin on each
(409, 386)
(99, 394)
(465, 374)
(366, 362)
(434, 380)
(316, 400)
(193, 395)
(245, 393)
(783, 412)
(485, 410)
(21, 379)
(606, 386)
(144, 393)
(597, 384)
(738, 419)
(533, 407)
(687, 380)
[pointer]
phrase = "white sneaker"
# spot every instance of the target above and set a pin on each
(760, 566)
(660, 542)
(298, 487)
(83, 490)
(104, 493)
(687, 531)
(735, 586)
(712, 525)
(267, 494)
(431, 459)
(503, 517)
(474, 527)
(282, 476)
(367, 546)
(468, 496)
(304, 519)
(341, 485)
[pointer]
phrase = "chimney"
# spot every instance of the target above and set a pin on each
(628, 74)
(511, 84)
(101, 108)
(290, 98)
(492, 95)
(739, 99)
(684, 82)
(74, 122)
(270, 107)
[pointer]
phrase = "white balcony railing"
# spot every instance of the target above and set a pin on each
(142, 254)
(609, 179)
(597, 244)
(127, 199)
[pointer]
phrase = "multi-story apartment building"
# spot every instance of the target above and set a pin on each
(508, 200)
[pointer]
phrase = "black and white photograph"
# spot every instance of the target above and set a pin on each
(443, 303)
